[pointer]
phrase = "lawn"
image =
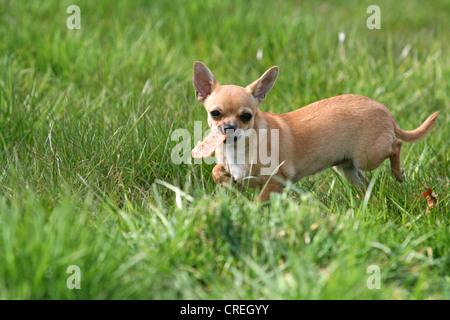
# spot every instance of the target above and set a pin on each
(87, 118)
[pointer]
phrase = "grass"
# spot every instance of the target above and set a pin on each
(86, 178)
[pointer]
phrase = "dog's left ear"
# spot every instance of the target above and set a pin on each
(262, 86)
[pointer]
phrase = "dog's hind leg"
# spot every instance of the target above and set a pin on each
(396, 170)
(353, 175)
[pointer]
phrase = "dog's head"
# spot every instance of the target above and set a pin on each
(231, 109)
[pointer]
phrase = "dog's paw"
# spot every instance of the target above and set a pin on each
(220, 175)
(403, 174)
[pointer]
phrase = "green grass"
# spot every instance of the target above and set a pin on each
(86, 176)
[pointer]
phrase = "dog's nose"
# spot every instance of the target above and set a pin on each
(229, 128)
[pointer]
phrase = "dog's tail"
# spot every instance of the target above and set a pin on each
(419, 133)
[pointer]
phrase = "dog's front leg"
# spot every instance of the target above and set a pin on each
(271, 186)
(220, 175)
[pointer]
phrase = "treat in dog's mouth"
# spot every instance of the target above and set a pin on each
(211, 142)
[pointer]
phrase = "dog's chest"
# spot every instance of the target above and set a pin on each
(238, 171)
(235, 159)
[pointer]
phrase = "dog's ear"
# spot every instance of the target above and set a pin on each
(204, 81)
(262, 86)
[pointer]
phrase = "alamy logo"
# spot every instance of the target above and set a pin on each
(374, 280)
(74, 281)
(74, 21)
(250, 148)
(374, 21)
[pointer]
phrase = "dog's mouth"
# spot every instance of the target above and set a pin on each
(231, 140)
(233, 135)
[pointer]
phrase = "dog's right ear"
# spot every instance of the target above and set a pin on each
(204, 81)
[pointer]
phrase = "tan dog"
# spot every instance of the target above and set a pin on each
(348, 132)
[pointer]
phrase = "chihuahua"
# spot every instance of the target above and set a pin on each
(350, 133)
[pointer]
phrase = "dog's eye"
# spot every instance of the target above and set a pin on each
(216, 114)
(246, 117)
